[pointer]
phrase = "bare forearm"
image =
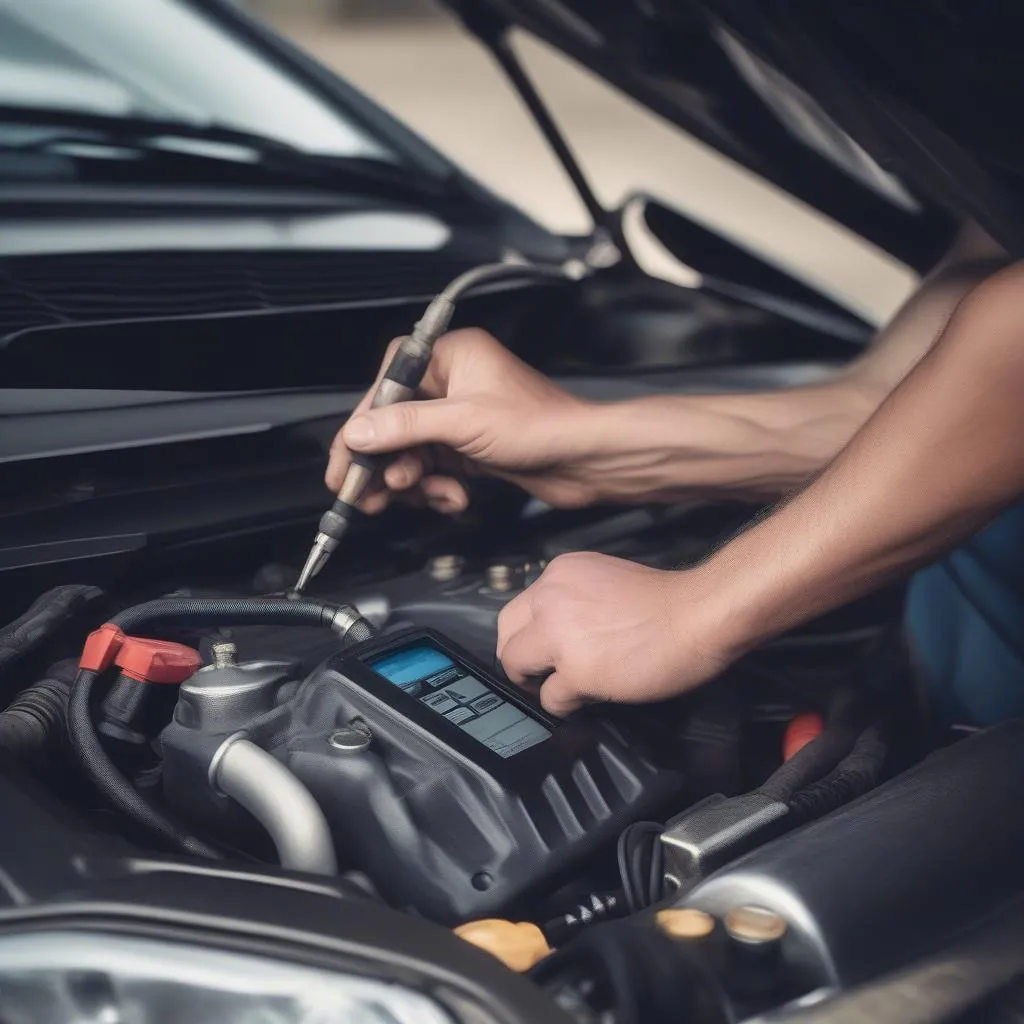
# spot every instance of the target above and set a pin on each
(915, 328)
(935, 463)
(744, 446)
(762, 445)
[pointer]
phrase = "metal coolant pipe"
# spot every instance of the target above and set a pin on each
(279, 802)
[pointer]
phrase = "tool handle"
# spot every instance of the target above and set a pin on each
(399, 384)
(370, 462)
(407, 367)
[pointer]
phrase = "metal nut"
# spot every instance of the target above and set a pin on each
(499, 578)
(445, 567)
(224, 654)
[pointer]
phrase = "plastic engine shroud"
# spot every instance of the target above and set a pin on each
(439, 823)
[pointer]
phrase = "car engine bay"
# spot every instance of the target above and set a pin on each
(189, 740)
(366, 737)
(227, 801)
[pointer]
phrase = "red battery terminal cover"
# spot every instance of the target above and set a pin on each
(147, 661)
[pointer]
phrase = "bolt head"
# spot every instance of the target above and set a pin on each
(224, 654)
(499, 578)
(445, 567)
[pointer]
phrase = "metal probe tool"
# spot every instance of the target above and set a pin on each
(401, 379)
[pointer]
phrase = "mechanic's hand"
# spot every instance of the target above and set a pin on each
(487, 412)
(610, 630)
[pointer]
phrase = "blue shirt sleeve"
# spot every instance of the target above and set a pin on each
(965, 623)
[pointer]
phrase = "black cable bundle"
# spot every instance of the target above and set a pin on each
(641, 865)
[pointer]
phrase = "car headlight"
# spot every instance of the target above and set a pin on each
(92, 978)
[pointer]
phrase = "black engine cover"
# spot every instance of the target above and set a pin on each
(439, 823)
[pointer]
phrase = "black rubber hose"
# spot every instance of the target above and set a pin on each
(32, 716)
(810, 763)
(217, 611)
(165, 612)
(857, 773)
(36, 720)
(47, 614)
(112, 784)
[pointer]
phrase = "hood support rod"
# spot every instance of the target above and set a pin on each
(493, 33)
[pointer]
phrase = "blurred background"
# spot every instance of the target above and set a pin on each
(414, 59)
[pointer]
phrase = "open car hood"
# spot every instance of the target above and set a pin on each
(769, 84)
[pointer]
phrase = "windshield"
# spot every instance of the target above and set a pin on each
(165, 60)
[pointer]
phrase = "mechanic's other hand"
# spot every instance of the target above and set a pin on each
(609, 630)
(485, 411)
